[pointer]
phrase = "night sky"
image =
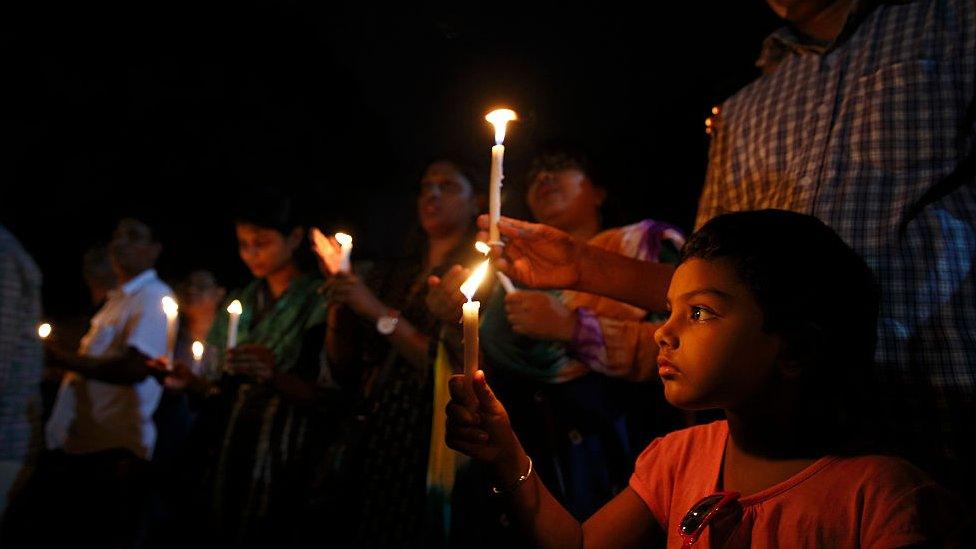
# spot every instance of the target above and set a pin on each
(166, 111)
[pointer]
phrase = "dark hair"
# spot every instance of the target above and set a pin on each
(813, 289)
(477, 177)
(271, 208)
(559, 154)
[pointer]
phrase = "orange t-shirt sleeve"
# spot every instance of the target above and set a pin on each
(653, 481)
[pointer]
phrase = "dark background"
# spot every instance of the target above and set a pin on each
(167, 110)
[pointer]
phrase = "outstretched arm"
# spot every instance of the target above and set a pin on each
(540, 256)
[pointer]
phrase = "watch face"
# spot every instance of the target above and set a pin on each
(386, 324)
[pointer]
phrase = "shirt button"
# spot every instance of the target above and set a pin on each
(806, 181)
(823, 110)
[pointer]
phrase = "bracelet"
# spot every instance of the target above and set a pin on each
(521, 480)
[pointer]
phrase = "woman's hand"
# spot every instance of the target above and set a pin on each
(349, 289)
(478, 426)
(253, 360)
(540, 315)
(327, 250)
(444, 298)
(538, 256)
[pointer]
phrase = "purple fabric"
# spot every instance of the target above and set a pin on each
(588, 345)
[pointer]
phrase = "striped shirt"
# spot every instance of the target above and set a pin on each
(874, 134)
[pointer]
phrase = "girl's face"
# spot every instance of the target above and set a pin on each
(265, 250)
(447, 202)
(713, 350)
(564, 198)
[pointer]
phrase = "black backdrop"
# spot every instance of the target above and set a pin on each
(166, 110)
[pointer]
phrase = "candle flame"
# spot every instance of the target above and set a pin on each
(500, 118)
(343, 239)
(482, 247)
(470, 285)
(235, 308)
(197, 349)
(44, 330)
(170, 307)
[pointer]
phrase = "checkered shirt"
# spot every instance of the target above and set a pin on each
(21, 359)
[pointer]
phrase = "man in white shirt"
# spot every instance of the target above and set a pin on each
(101, 432)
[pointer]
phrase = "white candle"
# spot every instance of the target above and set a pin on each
(234, 310)
(469, 317)
(172, 312)
(495, 192)
(469, 312)
(498, 118)
(197, 349)
(44, 330)
(345, 250)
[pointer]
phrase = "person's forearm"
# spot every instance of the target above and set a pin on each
(536, 512)
(640, 283)
(125, 370)
(342, 340)
(410, 343)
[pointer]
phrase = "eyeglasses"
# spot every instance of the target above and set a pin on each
(702, 514)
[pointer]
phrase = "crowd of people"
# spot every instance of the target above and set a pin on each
(797, 371)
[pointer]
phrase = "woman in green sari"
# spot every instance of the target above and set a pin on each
(262, 418)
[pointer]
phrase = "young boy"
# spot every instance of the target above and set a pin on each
(772, 319)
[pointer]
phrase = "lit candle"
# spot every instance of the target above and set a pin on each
(234, 310)
(498, 118)
(197, 349)
(345, 247)
(44, 330)
(502, 277)
(172, 311)
(469, 316)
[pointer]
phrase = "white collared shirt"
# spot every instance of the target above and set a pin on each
(89, 415)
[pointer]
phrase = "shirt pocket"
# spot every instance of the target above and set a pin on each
(903, 117)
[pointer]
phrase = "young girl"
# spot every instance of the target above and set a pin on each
(772, 319)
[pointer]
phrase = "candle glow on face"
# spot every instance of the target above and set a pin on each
(470, 285)
(170, 307)
(235, 307)
(44, 330)
(500, 119)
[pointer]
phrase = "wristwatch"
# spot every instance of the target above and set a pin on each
(387, 323)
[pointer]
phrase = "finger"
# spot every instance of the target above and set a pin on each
(516, 299)
(466, 448)
(486, 397)
(516, 229)
(484, 222)
(461, 416)
(469, 435)
(460, 389)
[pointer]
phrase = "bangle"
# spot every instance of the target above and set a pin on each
(521, 480)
